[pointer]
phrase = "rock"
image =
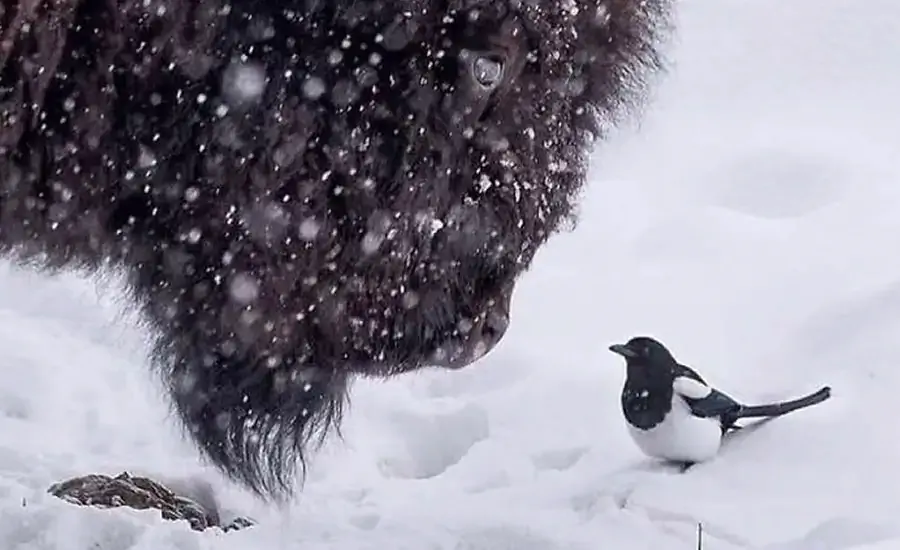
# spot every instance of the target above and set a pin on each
(140, 493)
(237, 523)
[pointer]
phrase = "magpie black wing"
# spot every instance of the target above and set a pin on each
(703, 400)
(714, 404)
(688, 372)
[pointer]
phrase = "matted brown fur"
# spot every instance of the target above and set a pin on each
(303, 191)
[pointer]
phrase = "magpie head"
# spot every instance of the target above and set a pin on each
(643, 351)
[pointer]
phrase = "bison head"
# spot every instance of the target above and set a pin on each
(303, 191)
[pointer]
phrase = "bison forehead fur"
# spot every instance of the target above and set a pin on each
(303, 191)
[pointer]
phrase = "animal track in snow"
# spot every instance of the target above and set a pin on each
(431, 444)
(776, 184)
(14, 407)
(561, 459)
(365, 521)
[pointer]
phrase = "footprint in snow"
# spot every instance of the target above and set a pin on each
(433, 443)
(560, 459)
(777, 184)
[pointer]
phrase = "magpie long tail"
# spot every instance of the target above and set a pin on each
(778, 409)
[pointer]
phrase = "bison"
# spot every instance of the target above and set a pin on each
(300, 192)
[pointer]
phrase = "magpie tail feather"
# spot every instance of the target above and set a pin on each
(783, 407)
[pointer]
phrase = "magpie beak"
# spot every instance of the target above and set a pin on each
(623, 350)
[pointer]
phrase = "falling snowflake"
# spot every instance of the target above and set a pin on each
(309, 229)
(313, 88)
(243, 83)
(244, 288)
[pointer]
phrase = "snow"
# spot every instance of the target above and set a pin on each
(749, 224)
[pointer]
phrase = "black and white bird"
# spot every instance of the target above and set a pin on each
(672, 413)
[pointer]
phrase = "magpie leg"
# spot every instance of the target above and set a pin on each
(784, 407)
(727, 421)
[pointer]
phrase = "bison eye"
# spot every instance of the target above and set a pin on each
(488, 71)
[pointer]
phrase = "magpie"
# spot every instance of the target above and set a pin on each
(674, 415)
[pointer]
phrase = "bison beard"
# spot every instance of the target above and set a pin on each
(302, 191)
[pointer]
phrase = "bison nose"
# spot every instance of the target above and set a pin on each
(483, 336)
(493, 326)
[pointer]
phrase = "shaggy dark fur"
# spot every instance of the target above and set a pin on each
(303, 191)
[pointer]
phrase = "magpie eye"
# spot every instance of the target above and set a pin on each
(488, 71)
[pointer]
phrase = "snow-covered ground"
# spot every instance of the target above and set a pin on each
(750, 224)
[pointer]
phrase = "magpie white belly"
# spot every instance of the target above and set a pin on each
(680, 436)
